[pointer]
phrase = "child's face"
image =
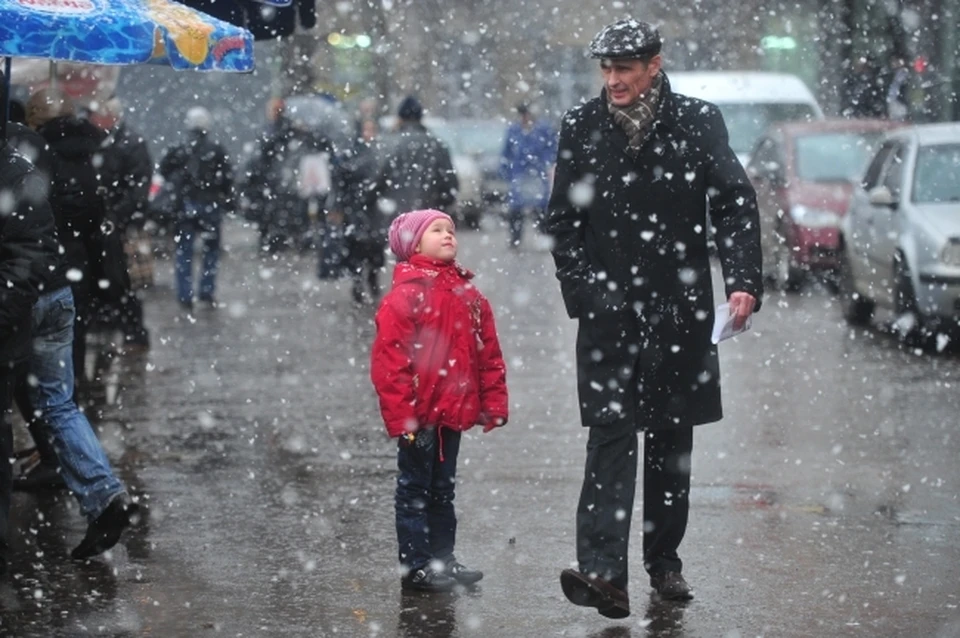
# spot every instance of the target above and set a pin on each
(439, 241)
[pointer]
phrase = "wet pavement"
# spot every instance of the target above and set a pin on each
(825, 504)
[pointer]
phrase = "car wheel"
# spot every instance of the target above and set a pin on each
(788, 276)
(857, 309)
(909, 323)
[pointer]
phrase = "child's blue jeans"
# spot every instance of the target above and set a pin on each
(426, 522)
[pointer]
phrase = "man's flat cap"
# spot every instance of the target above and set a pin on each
(626, 38)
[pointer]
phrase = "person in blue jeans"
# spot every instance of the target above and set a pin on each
(203, 178)
(48, 381)
(203, 224)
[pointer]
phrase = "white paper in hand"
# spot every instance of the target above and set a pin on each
(723, 324)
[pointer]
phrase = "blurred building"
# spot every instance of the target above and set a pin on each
(479, 57)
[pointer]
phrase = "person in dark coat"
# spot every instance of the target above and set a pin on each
(128, 170)
(28, 251)
(628, 214)
(76, 197)
(355, 205)
(416, 171)
(273, 189)
(204, 177)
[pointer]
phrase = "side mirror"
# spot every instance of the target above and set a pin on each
(881, 196)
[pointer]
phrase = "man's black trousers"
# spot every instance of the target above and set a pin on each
(609, 487)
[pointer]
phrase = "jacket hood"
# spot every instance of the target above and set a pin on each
(72, 137)
(421, 268)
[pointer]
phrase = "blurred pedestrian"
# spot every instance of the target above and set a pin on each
(128, 171)
(416, 171)
(898, 78)
(77, 199)
(865, 92)
(628, 213)
(287, 182)
(44, 394)
(355, 206)
(201, 171)
(438, 371)
(28, 249)
(529, 151)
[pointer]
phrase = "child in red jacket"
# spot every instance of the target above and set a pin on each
(438, 370)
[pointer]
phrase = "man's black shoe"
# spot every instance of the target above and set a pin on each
(671, 586)
(103, 533)
(425, 579)
(462, 574)
(591, 591)
(42, 476)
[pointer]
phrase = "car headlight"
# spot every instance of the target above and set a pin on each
(951, 253)
(814, 217)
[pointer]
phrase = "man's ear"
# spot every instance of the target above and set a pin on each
(656, 63)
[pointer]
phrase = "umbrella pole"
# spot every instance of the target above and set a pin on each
(53, 74)
(5, 103)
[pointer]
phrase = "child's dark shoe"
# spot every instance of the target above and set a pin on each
(463, 574)
(426, 579)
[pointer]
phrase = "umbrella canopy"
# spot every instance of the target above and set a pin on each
(266, 19)
(123, 32)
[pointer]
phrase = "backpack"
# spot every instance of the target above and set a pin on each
(202, 171)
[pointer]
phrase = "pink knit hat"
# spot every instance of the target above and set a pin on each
(407, 229)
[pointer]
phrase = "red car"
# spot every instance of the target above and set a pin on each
(804, 174)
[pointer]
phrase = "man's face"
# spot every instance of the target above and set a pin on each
(626, 80)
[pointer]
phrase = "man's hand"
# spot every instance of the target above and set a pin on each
(492, 424)
(741, 307)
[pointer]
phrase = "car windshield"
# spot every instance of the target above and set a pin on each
(471, 138)
(747, 122)
(833, 157)
(936, 178)
(445, 133)
(483, 138)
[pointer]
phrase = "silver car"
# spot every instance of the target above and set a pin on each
(901, 234)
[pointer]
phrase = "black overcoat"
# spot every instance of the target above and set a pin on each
(632, 258)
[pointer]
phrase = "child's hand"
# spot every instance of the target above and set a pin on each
(493, 424)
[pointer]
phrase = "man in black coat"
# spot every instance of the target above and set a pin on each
(416, 170)
(628, 213)
(28, 251)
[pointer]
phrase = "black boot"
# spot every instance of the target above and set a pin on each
(103, 533)
(671, 586)
(426, 579)
(462, 574)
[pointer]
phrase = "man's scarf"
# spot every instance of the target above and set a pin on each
(637, 118)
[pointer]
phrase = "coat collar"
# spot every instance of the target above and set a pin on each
(419, 266)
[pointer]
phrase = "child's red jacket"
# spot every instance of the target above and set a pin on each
(436, 360)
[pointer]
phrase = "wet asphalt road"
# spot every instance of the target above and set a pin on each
(825, 504)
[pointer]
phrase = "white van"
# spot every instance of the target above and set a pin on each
(749, 101)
